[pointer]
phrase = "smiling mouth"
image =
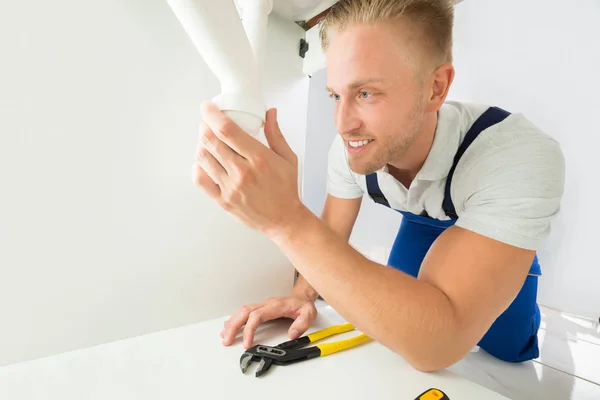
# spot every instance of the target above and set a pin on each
(359, 143)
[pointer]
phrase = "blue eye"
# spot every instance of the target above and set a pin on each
(364, 95)
(334, 96)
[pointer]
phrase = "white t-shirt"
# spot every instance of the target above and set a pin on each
(508, 185)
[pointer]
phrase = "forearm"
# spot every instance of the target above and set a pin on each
(339, 215)
(410, 316)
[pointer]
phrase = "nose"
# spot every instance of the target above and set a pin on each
(346, 118)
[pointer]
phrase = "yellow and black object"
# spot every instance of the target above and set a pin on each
(432, 394)
(292, 351)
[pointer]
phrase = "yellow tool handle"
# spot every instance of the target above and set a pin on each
(334, 330)
(433, 394)
(330, 348)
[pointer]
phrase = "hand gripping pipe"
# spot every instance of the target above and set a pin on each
(233, 50)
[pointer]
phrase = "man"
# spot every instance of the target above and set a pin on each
(478, 188)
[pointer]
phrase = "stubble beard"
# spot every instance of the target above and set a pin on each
(393, 148)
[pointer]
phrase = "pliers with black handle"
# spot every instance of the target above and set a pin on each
(293, 351)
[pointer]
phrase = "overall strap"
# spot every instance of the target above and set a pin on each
(492, 116)
(374, 190)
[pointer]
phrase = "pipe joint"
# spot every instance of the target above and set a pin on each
(245, 109)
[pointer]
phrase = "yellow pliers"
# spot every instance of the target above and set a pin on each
(292, 351)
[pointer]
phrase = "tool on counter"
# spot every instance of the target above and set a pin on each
(433, 394)
(293, 351)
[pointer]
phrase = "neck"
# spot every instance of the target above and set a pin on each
(406, 169)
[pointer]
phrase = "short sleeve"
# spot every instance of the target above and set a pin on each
(513, 191)
(340, 179)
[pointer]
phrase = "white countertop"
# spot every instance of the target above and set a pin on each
(191, 363)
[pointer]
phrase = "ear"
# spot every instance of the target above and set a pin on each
(439, 84)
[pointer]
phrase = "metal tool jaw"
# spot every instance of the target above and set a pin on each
(284, 354)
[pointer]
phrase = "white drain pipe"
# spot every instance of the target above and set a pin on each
(255, 14)
(215, 28)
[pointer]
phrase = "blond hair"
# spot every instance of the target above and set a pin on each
(433, 19)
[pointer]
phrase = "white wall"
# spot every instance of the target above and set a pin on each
(538, 57)
(102, 234)
(541, 58)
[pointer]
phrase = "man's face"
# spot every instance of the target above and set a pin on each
(378, 98)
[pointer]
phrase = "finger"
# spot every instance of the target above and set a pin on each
(254, 321)
(275, 138)
(236, 322)
(228, 158)
(257, 317)
(229, 132)
(210, 165)
(205, 182)
(224, 328)
(300, 324)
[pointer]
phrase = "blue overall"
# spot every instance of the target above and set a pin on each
(513, 336)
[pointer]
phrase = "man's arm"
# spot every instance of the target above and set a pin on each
(339, 215)
(466, 281)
